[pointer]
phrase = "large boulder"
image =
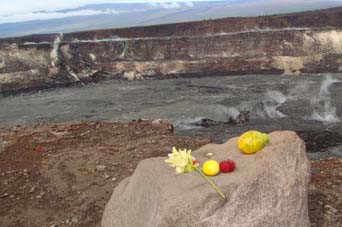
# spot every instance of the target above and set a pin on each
(268, 189)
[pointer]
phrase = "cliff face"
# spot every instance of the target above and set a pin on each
(288, 44)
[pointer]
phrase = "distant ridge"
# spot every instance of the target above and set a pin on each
(325, 18)
(102, 16)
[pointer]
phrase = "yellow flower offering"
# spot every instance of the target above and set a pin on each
(252, 141)
(181, 160)
(185, 163)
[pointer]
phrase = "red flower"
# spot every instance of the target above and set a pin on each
(227, 166)
(38, 149)
(194, 162)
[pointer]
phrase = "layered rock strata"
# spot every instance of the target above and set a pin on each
(289, 44)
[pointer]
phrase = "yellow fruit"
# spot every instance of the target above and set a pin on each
(252, 141)
(211, 168)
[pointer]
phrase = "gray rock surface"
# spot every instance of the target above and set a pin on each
(268, 189)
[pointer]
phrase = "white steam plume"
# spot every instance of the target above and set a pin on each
(323, 110)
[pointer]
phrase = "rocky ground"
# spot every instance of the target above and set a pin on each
(63, 174)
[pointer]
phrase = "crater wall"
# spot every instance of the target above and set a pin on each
(291, 44)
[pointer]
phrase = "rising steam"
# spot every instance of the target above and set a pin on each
(269, 106)
(54, 53)
(323, 110)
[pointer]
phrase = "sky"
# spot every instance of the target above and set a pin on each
(12, 11)
(9, 7)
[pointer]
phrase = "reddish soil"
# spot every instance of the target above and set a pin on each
(325, 195)
(63, 174)
(70, 180)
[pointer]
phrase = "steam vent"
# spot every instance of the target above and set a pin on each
(289, 44)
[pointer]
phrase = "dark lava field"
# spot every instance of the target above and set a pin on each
(221, 107)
